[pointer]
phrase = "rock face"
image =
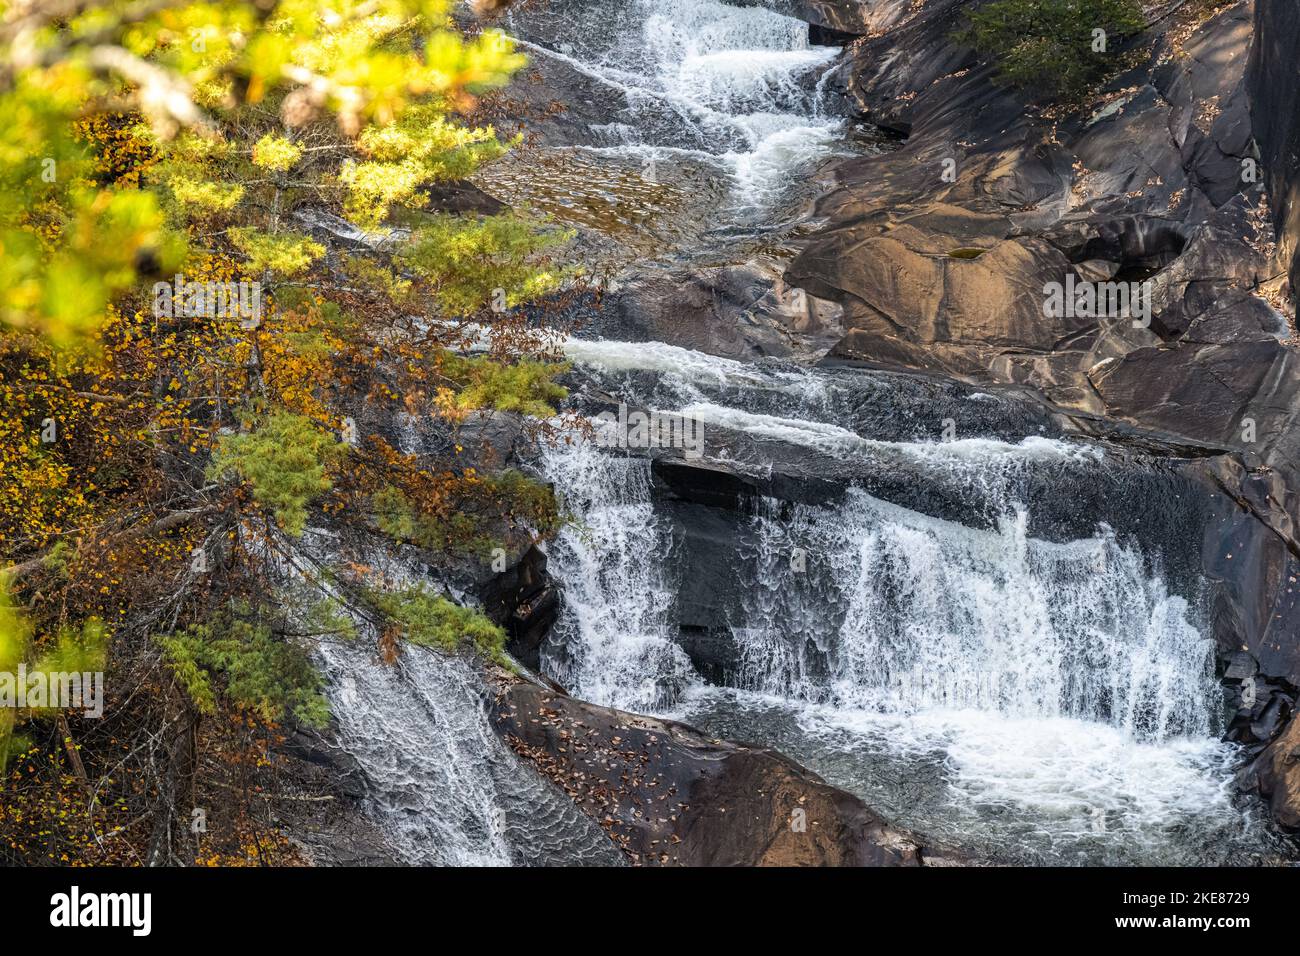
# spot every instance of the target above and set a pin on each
(940, 253)
(668, 795)
(1275, 102)
(327, 820)
(742, 311)
(524, 601)
(1275, 775)
(1249, 552)
(847, 16)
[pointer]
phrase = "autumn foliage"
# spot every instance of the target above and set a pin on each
(197, 483)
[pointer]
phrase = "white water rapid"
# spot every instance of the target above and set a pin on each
(958, 634)
(733, 87)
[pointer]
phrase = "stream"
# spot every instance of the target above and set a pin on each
(994, 633)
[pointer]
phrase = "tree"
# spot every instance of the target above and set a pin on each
(71, 652)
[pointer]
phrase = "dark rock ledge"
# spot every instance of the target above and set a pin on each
(1275, 776)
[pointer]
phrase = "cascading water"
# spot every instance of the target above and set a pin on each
(438, 780)
(970, 635)
(726, 97)
(689, 117)
(1051, 700)
(721, 83)
(871, 606)
(615, 637)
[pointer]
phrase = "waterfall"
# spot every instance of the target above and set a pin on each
(441, 785)
(438, 779)
(869, 605)
(872, 606)
(1050, 698)
(861, 602)
(614, 639)
(961, 637)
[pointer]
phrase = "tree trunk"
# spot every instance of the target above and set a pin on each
(171, 841)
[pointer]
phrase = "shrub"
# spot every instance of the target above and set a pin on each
(474, 520)
(285, 460)
(1052, 45)
(259, 671)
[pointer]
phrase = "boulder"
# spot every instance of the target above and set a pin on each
(743, 311)
(524, 600)
(667, 795)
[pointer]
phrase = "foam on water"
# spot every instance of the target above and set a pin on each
(686, 376)
(1074, 770)
(734, 85)
(834, 440)
(1039, 790)
(910, 613)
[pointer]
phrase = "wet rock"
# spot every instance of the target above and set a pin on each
(1260, 706)
(1240, 666)
(1275, 110)
(669, 796)
(324, 815)
(1203, 389)
(741, 311)
(847, 17)
(712, 650)
(462, 198)
(1252, 561)
(1275, 775)
(560, 102)
(1271, 717)
(525, 601)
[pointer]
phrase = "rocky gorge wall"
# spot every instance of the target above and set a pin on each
(945, 275)
(1274, 82)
